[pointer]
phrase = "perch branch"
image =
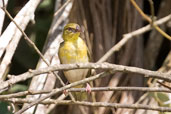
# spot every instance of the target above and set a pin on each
(95, 89)
(55, 91)
(105, 66)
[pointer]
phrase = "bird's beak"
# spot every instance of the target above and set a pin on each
(79, 29)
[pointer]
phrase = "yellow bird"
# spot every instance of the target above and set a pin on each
(74, 50)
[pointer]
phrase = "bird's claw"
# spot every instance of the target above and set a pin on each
(65, 92)
(88, 88)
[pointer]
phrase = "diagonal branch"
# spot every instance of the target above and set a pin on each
(32, 44)
(12, 34)
(149, 20)
(131, 35)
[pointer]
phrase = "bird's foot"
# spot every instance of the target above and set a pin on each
(88, 88)
(65, 92)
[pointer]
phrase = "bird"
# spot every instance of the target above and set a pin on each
(74, 50)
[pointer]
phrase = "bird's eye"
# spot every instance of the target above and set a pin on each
(69, 29)
(72, 30)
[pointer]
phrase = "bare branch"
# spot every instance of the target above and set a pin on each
(152, 10)
(131, 35)
(55, 91)
(50, 49)
(2, 68)
(106, 66)
(2, 13)
(150, 21)
(95, 89)
(94, 104)
(25, 36)
(62, 7)
(15, 34)
(164, 76)
(25, 15)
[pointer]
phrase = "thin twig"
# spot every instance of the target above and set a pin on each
(37, 50)
(152, 11)
(51, 48)
(52, 106)
(25, 36)
(95, 89)
(140, 11)
(55, 91)
(32, 44)
(164, 85)
(12, 35)
(131, 35)
(92, 104)
(2, 14)
(149, 20)
(62, 7)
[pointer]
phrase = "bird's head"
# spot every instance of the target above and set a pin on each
(71, 32)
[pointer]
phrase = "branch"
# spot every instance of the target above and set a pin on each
(13, 35)
(94, 104)
(149, 20)
(152, 10)
(32, 44)
(55, 91)
(25, 36)
(123, 68)
(50, 49)
(62, 7)
(106, 66)
(95, 89)
(131, 35)
(2, 14)
(22, 19)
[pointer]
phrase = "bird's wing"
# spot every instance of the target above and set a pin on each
(61, 45)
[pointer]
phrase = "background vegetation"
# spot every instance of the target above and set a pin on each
(105, 23)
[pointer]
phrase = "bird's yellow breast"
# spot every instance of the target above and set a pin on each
(73, 52)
